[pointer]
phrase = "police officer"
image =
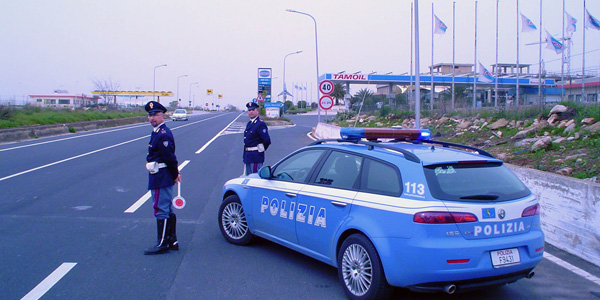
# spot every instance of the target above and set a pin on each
(162, 165)
(256, 140)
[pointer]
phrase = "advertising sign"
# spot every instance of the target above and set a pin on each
(264, 82)
(272, 109)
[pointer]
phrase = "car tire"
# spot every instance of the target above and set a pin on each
(360, 271)
(232, 221)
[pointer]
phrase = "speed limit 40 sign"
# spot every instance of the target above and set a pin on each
(326, 87)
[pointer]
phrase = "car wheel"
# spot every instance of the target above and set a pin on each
(232, 221)
(360, 271)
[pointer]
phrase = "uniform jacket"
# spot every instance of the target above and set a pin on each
(162, 149)
(256, 133)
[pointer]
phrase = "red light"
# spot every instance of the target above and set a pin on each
(531, 211)
(457, 261)
(436, 217)
(539, 249)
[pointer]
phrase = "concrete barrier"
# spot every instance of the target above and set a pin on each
(570, 207)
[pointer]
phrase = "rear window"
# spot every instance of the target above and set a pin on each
(474, 182)
(180, 111)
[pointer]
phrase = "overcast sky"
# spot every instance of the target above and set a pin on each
(67, 44)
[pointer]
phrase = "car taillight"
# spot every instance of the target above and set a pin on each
(436, 217)
(531, 211)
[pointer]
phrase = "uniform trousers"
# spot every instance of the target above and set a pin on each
(163, 198)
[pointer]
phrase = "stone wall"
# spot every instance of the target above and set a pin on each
(570, 207)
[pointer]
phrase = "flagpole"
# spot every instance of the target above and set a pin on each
(411, 94)
(475, 62)
(583, 62)
(496, 68)
(540, 61)
(431, 68)
(417, 66)
(518, 67)
(562, 58)
(453, 48)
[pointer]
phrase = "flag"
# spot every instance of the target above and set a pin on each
(554, 44)
(440, 27)
(571, 27)
(527, 25)
(484, 74)
(591, 22)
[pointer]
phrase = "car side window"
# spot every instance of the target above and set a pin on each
(381, 178)
(340, 170)
(297, 167)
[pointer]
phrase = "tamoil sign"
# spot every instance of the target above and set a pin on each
(264, 83)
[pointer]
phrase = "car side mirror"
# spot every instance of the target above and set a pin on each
(265, 172)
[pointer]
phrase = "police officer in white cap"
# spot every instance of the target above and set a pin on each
(162, 165)
(256, 140)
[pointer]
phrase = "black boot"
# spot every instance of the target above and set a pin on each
(162, 245)
(172, 233)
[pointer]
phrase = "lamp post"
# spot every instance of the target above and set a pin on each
(284, 86)
(316, 54)
(178, 99)
(154, 81)
(190, 97)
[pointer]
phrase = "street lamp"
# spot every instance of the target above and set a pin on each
(154, 81)
(285, 92)
(178, 99)
(316, 54)
(190, 97)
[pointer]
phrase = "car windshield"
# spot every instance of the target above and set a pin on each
(474, 182)
(180, 111)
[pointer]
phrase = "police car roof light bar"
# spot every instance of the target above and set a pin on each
(384, 133)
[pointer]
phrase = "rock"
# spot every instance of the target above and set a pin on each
(442, 120)
(498, 124)
(543, 143)
(559, 140)
(464, 125)
(569, 122)
(562, 124)
(558, 109)
(592, 128)
(526, 142)
(552, 119)
(512, 123)
(570, 128)
(565, 171)
(588, 121)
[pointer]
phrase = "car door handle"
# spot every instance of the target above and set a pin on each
(340, 204)
(291, 195)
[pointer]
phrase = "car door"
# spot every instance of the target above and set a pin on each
(275, 199)
(325, 202)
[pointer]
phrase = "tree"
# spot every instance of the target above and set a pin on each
(106, 90)
(364, 98)
(338, 93)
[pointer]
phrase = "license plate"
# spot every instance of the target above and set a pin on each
(505, 257)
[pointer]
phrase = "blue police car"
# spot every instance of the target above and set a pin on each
(390, 207)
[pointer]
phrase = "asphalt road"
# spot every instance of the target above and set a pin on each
(70, 227)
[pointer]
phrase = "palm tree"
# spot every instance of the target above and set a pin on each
(338, 93)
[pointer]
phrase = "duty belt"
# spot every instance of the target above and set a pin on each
(162, 165)
(251, 148)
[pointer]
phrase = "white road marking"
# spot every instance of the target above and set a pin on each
(572, 268)
(49, 282)
(146, 196)
(91, 152)
(216, 136)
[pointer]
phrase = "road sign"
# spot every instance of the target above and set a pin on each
(326, 87)
(260, 98)
(326, 102)
(209, 91)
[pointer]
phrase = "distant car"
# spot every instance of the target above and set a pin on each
(411, 212)
(179, 114)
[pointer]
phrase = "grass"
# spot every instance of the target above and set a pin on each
(581, 152)
(28, 116)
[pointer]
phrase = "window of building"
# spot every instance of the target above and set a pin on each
(38, 100)
(49, 101)
(64, 101)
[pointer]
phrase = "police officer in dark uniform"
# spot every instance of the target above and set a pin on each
(256, 140)
(162, 165)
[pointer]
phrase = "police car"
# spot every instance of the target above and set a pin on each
(390, 207)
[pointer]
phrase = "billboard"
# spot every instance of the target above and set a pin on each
(264, 83)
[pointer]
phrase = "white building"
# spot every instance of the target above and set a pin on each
(60, 100)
